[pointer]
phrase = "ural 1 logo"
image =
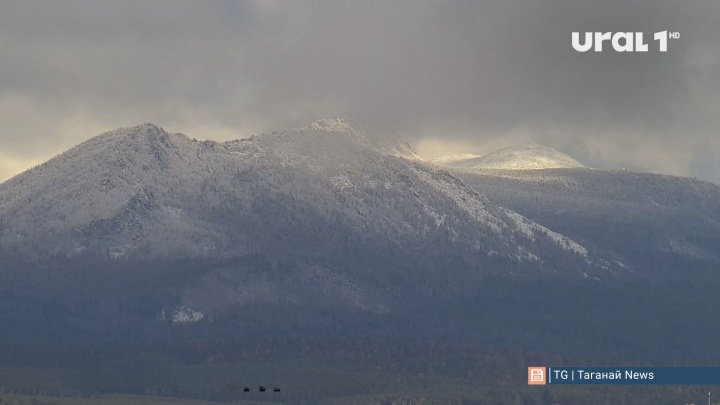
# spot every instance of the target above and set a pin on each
(621, 41)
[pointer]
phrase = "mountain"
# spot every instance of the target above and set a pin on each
(141, 253)
(530, 156)
(325, 216)
(144, 193)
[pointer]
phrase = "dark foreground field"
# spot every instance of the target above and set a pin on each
(98, 343)
(310, 373)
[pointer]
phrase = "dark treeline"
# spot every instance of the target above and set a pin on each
(95, 328)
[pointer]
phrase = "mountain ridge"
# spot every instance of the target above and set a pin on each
(141, 191)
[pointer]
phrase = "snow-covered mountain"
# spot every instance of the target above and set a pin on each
(530, 156)
(144, 193)
(138, 233)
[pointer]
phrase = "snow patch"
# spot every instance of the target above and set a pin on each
(184, 315)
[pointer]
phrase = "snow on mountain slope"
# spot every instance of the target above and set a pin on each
(532, 229)
(530, 156)
(497, 219)
(109, 193)
(142, 192)
(632, 218)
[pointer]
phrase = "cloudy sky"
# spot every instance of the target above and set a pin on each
(450, 76)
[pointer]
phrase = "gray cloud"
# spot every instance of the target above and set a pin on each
(449, 76)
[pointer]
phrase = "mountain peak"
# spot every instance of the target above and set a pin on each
(149, 126)
(144, 133)
(529, 156)
(342, 125)
(142, 129)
